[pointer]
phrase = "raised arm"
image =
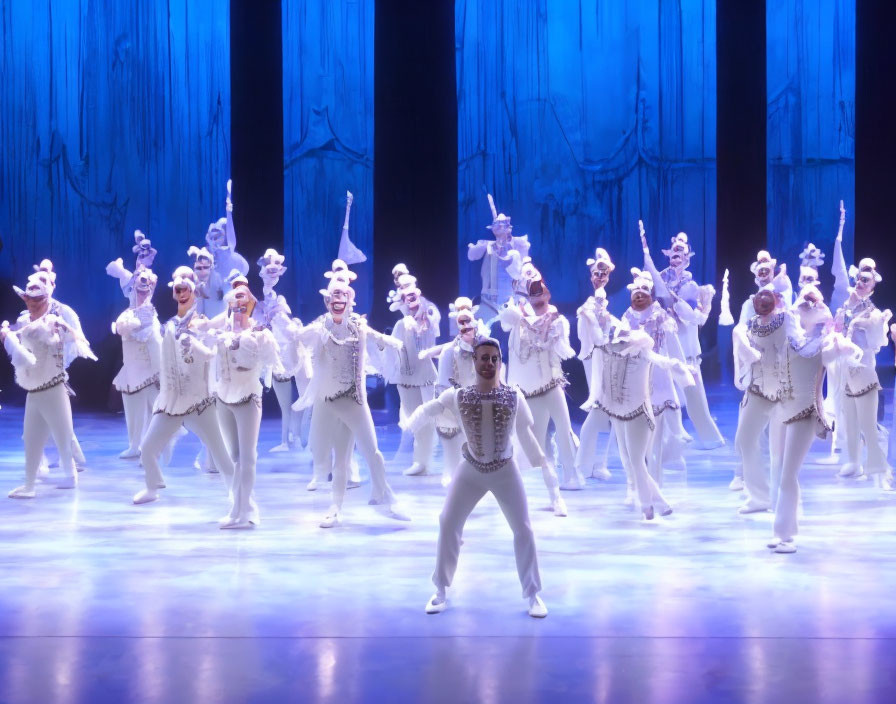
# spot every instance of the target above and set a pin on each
(659, 286)
(230, 229)
(838, 263)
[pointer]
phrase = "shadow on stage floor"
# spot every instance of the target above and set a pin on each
(103, 601)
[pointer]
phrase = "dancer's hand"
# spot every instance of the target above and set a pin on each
(229, 201)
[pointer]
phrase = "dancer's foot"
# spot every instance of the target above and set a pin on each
(312, 485)
(415, 470)
(666, 510)
(332, 518)
(776, 541)
(600, 472)
(282, 447)
(559, 507)
(146, 496)
(572, 485)
(648, 513)
(69, 482)
(850, 469)
(22, 492)
(237, 524)
(629, 500)
(79, 467)
(785, 547)
(737, 484)
(537, 609)
(753, 507)
(437, 603)
(397, 512)
(710, 444)
(352, 483)
(130, 454)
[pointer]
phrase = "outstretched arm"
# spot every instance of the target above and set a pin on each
(230, 230)
(838, 263)
(659, 286)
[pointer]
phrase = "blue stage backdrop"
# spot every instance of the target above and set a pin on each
(811, 72)
(582, 117)
(328, 142)
(113, 117)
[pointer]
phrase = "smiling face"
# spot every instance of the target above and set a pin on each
(487, 361)
(678, 259)
(865, 283)
(538, 293)
(641, 299)
(36, 301)
(765, 272)
(183, 294)
(203, 269)
(338, 303)
(144, 282)
(241, 302)
(466, 327)
(600, 275)
(502, 229)
(411, 300)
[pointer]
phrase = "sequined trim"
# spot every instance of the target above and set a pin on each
(484, 467)
(562, 382)
(421, 385)
(447, 433)
(351, 391)
(282, 377)
(764, 330)
(871, 387)
(780, 396)
(657, 410)
(245, 399)
(469, 402)
(802, 415)
(640, 410)
(152, 381)
(55, 381)
(196, 408)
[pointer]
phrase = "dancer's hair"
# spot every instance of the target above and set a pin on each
(488, 342)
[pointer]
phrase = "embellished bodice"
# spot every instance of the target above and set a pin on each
(184, 374)
(141, 348)
(770, 375)
(488, 421)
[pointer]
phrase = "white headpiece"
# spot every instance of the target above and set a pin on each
(236, 279)
(460, 304)
(230, 294)
(641, 281)
(148, 273)
(763, 257)
(338, 285)
(811, 257)
(399, 269)
(866, 264)
(143, 247)
(45, 268)
(37, 285)
(339, 270)
(680, 244)
(198, 253)
(183, 276)
(271, 256)
(601, 256)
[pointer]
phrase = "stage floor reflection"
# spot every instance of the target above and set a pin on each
(103, 601)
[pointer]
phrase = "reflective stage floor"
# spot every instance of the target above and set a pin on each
(103, 601)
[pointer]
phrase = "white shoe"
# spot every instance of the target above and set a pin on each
(146, 496)
(237, 524)
(396, 512)
(850, 469)
(776, 541)
(737, 484)
(785, 547)
(70, 482)
(574, 483)
(437, 604)
(331, 519)
(601, 473)
(750, 507)
(129, 454)
(710, 445)
(415, 470)
(559, 507)
(352, 483)
(537, 609)
(282, 447)
(312, 485)
(629, 500)
(22, 492)
(648, 513)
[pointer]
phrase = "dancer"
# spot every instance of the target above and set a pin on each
(36, 344)
(622, 391)
(185, 396)
(415, 377)
(221, 241)
(141, 347)
(779, 368)
(295, 362)
(861, 331)
(210, 284)
(592, 318)
(337, 394)
(688, 305)
(145, 255)
(490, 413)
(501, 261)
(539, 341)
(246, 353)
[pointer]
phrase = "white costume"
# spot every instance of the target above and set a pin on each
(490, 420)
(592, 321)
(779, 366)
(415, 376)
(37, 349)
(861, 331)
(688, 304)
(185, 397)
(221, 242)
(538, 344)
(337, 393)
(501, 261)
(244, 357)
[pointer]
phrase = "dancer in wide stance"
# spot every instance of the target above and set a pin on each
(490, 413)
(185, 396)
(337, 395)
(37, 344)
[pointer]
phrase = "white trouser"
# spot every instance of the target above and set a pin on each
(47, 413)
(283, 392)
(451, 453)
(698, 410)
(836, 393)
(545, 408)
(797, 440)
(860, 420)
(335, 424)
(665, 446)
(634, 437)
(764, 448)
(412, 397)
(756, 413)
(137, 412)
(239, 425)
(588, 455)
(163, 427)
(466, 490)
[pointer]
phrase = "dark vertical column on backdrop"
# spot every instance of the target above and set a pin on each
(256, 78)
(415, 147)
(875, 234)
(741, 141)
